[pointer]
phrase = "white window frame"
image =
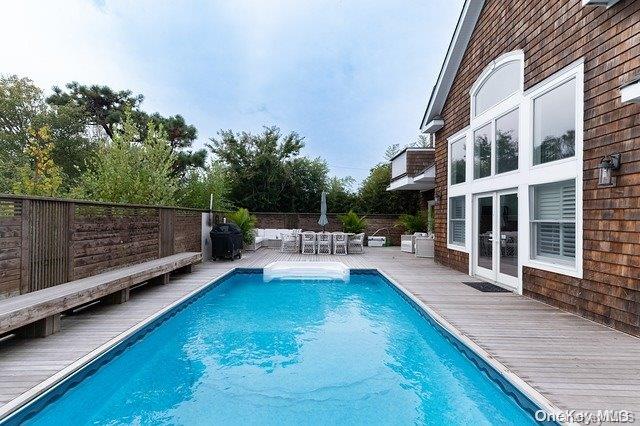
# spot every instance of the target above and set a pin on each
(460, 136)
(527, 175)
(455, 246)
(544, 89)
(533, 223)
(489, 116)
(516, 55)
(556, 171)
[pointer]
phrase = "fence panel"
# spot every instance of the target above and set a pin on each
(45, 241)
(10, 247)
(187, 231)
(48, 260)
(108, 237)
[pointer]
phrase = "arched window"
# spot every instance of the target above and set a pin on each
(501, 83)
(495, 115)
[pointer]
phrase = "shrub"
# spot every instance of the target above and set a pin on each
(246, 222)
(351, 222)
(415, 223)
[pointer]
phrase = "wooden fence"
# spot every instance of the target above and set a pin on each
(45, 242)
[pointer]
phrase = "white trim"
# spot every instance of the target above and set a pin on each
(514, 56)
(410, 148)
(527, 175)
(409, 183)
(630, 92)
(607, 3)
(427, 176)
(433, 125)
(457, 47)
(453, 246)
(461, 135)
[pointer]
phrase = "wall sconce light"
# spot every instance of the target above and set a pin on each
(607, 165)
(436, 198)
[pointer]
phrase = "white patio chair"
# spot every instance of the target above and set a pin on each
(296, 233)
(308, 242)
(340, 241)
(356, 243)
(324, 242)
(289, 243)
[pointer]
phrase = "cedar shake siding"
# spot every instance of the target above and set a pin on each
(417, 161)
(552, 36)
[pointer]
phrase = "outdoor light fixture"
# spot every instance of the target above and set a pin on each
(608, 164)
(436, 198)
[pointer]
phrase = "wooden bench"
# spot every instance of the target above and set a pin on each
(38, 313)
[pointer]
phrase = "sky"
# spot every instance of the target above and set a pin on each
(351, 76)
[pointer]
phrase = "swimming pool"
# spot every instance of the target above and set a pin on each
(287, 352)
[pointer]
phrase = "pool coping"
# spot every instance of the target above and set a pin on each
(12, 407)
(498, 367)
(458, 339)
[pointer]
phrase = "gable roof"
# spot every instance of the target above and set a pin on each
(458, 45)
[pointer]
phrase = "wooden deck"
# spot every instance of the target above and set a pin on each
(575, 363)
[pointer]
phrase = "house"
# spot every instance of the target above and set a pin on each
(537, 153)
(414, 169)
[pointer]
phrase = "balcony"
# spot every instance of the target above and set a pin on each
(413, 169)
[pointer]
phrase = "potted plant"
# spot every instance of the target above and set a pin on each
(247, 223)
(352, 223)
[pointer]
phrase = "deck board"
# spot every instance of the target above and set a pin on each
(575, 363)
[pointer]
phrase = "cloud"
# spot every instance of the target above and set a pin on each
(351, 76)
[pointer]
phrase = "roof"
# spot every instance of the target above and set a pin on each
(458, 45)
(410, 148)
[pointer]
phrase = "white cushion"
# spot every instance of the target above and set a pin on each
(407, 246)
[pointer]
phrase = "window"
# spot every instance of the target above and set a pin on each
(482, 152)
(507, 142)
(554, 221)
(458, 158)
(554, 124)
(456, 221)
(502, 83)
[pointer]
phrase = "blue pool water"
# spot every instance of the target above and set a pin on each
(289, 352)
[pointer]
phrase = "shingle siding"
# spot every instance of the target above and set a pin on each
(552, 36)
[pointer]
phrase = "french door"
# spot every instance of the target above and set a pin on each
(495, 237)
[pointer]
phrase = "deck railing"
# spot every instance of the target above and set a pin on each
(46, 241)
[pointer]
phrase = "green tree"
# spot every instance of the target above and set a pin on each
(128, 171)
(373, 196)
(105, 107)
(306, 178)
(180, 136)
(340, 197)
(198, 186)
(22, 108)
(258, 167)
(41, 175)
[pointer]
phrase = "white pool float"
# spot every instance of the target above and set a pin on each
(288, 270)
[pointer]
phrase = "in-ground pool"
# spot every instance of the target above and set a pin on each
(286, 352)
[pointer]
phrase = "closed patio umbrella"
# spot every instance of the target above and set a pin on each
(323, 221)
